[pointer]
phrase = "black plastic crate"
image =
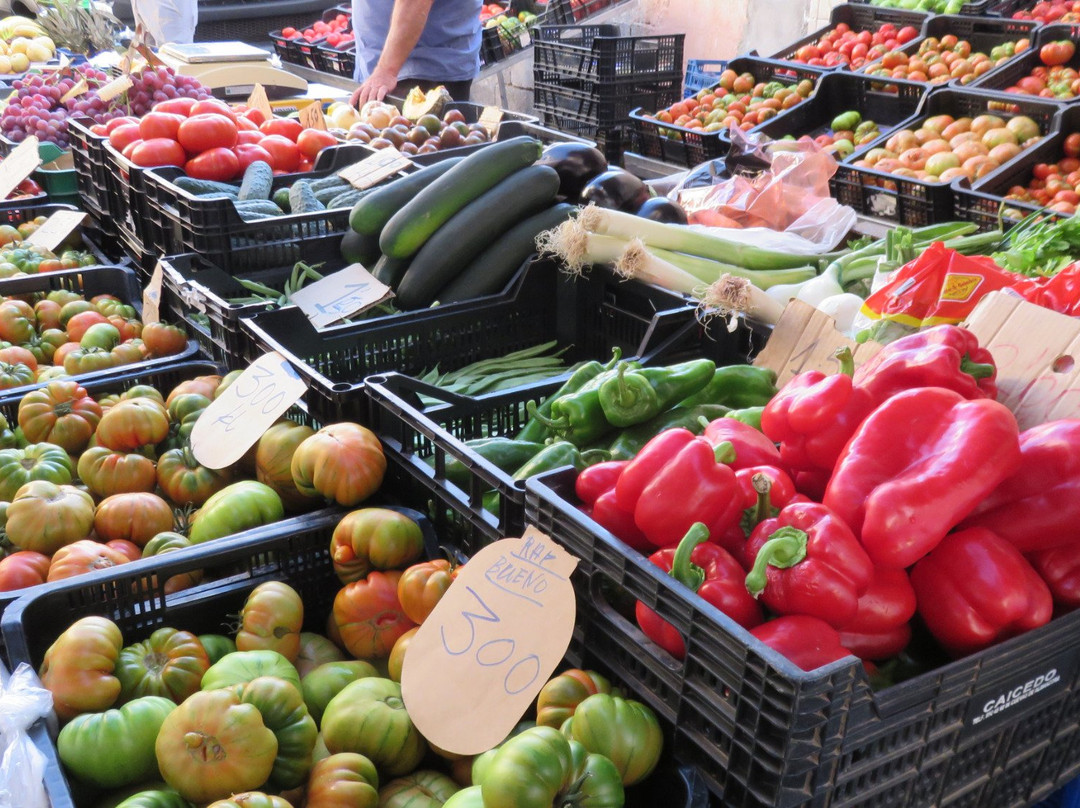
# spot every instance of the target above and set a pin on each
(975, 9)
(602, 107)
(914, 202)
(198, 292)
(88, 157)
(338, 61)
(1015, 69)
(984, 34)
(301, 51)
(128, 201)
(425, 435)
(690, 147)
(12, 213)
(860, 17)
(767, 734)
(603, 53)
(981, 202)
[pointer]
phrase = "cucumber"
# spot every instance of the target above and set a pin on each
(479, 172)
(255, 215)
(490, 271)
(204, 187)
(356, 248)
(386, 200)
(258, 181)
(281, 198)
(302, 199)
(390, 270)
(454, 245)
(346, 199)
(329, 192)
(257, 206)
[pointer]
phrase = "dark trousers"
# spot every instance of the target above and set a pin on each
(459, 90)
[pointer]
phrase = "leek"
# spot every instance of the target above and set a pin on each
(732, 295)
(708, 271)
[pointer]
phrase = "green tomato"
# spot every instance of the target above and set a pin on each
(241, 667)
(237, 507)
(624, 731)
(471, 797)
(217, 646)
(368, 717)
(283, 712)
(116, 747)
(421, 789)
(156, 798)
(101, 335)
(37, 461)
(327, 680)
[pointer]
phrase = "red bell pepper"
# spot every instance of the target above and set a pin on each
(707, 569)
(1038, 507)
(693, 485)
(751, 447)
(764, 490)
(917, 466)
(942, 356)
(1060, 569)
(808, 642)
(975, 589)
(806, 561)
(607, 513)
(881, 628)
(814, 415)
(653, 456)
(598, 479)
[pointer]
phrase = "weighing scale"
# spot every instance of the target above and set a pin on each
(231, 69)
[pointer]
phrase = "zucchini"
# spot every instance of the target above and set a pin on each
(281, 198)
(479, 172)
(390, 270)
(302, 199)
(492, 269)
(258, 181)
(346, 199)
(386, 200)
(457, 243)
(331, 191)
(257, 206)
(356, 248)
(205, 187)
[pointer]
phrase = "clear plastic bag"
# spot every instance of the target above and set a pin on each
(22, 765)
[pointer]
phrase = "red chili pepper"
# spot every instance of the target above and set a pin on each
(1060, 569)
(710, 571)
(752, 448)
(1038, 507)
(808, 642)
(694, 486)
(814, 415)
(975, 589)
(880, 628)
(917, 466)
(607, 513)
(656, 454)
(806, 561)
(598, 479)
(942, 356)
(764, 490)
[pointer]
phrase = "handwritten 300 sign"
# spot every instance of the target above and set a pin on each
(492, 642)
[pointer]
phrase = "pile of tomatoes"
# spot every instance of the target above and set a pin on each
(940, 60)
(1053, 78)
(17, 259)
(843, 46)
(1054, 185)
(336, 31)
(1053, 11)
(210, 140)
(737, 100)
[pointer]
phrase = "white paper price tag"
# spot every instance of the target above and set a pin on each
(374, 169)
(118, 86)
(19, 165)
(340, 295)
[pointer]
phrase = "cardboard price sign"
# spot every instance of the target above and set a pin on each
(80, 87)
(312, 116)
(374, 169)
(236, 419)
(56, 228)
(337, 296)
(491, 642)
(490, 119)
(18, 165)
(258, 100)
(151, 299)
(118, 86)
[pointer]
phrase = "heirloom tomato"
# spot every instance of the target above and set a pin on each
(15, 375)
(343, 462)
(252, 799)
(132, 423)
(237, 507)
(241, 667)
(374, 538)
(136, 517)
(106, 472)
(170, 663)
(624, 731)
(369, 616)
(62, 413)
(423, 788)
(315, 650)
(561, 695)
(422, 586)
(273, 461)
(185, 481)
(85, 555)
(368, 717)
(37, 461)
(163, 339)
(88, 360)
(22, 569)
(44, 516)
(283, 712)
(217, 646)
(344, 780)
(78, 667)
(271, 620)
(397, 654)
(101, 335)
(327, 680)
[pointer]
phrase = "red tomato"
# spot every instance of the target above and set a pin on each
(305, 166)
(285, 153)
(1072, 145)
(160, 124)
(245, 124)
(248, 153)
(1057, 53)
(121, 136)
(177, 106)
(246, 137)
(99, 129)
(287, 127)
(129, 148)
(213, 164)
(313, 141)
(205, 131)
(115, 122)
(212, 105)
(255, 116)
(160, 151)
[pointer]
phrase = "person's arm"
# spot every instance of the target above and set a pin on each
(406, 24)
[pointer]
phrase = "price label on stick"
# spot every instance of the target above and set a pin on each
(374, 169)
(80, 87)
(492, 642)
(312, 116)
(118, 86)
(150, 57)
(258, 100)
(18, 165)
(490, 119)
(151, 299)
(340, 295)
(236, 419)
(56, 228)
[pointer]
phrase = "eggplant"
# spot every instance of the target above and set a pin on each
(616, 189)
(575, 163)
(662, 209)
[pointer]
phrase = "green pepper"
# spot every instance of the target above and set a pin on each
(736, 386)
(634, 397)
(579, 416)
(559, 454)
(748, 415)
(535, 429)
(506, 454)
(631, 441)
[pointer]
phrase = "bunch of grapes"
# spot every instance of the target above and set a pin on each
(36, 108)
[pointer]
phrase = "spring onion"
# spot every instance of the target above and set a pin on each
(733, 295)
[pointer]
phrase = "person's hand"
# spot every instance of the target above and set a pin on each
(375, 87)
